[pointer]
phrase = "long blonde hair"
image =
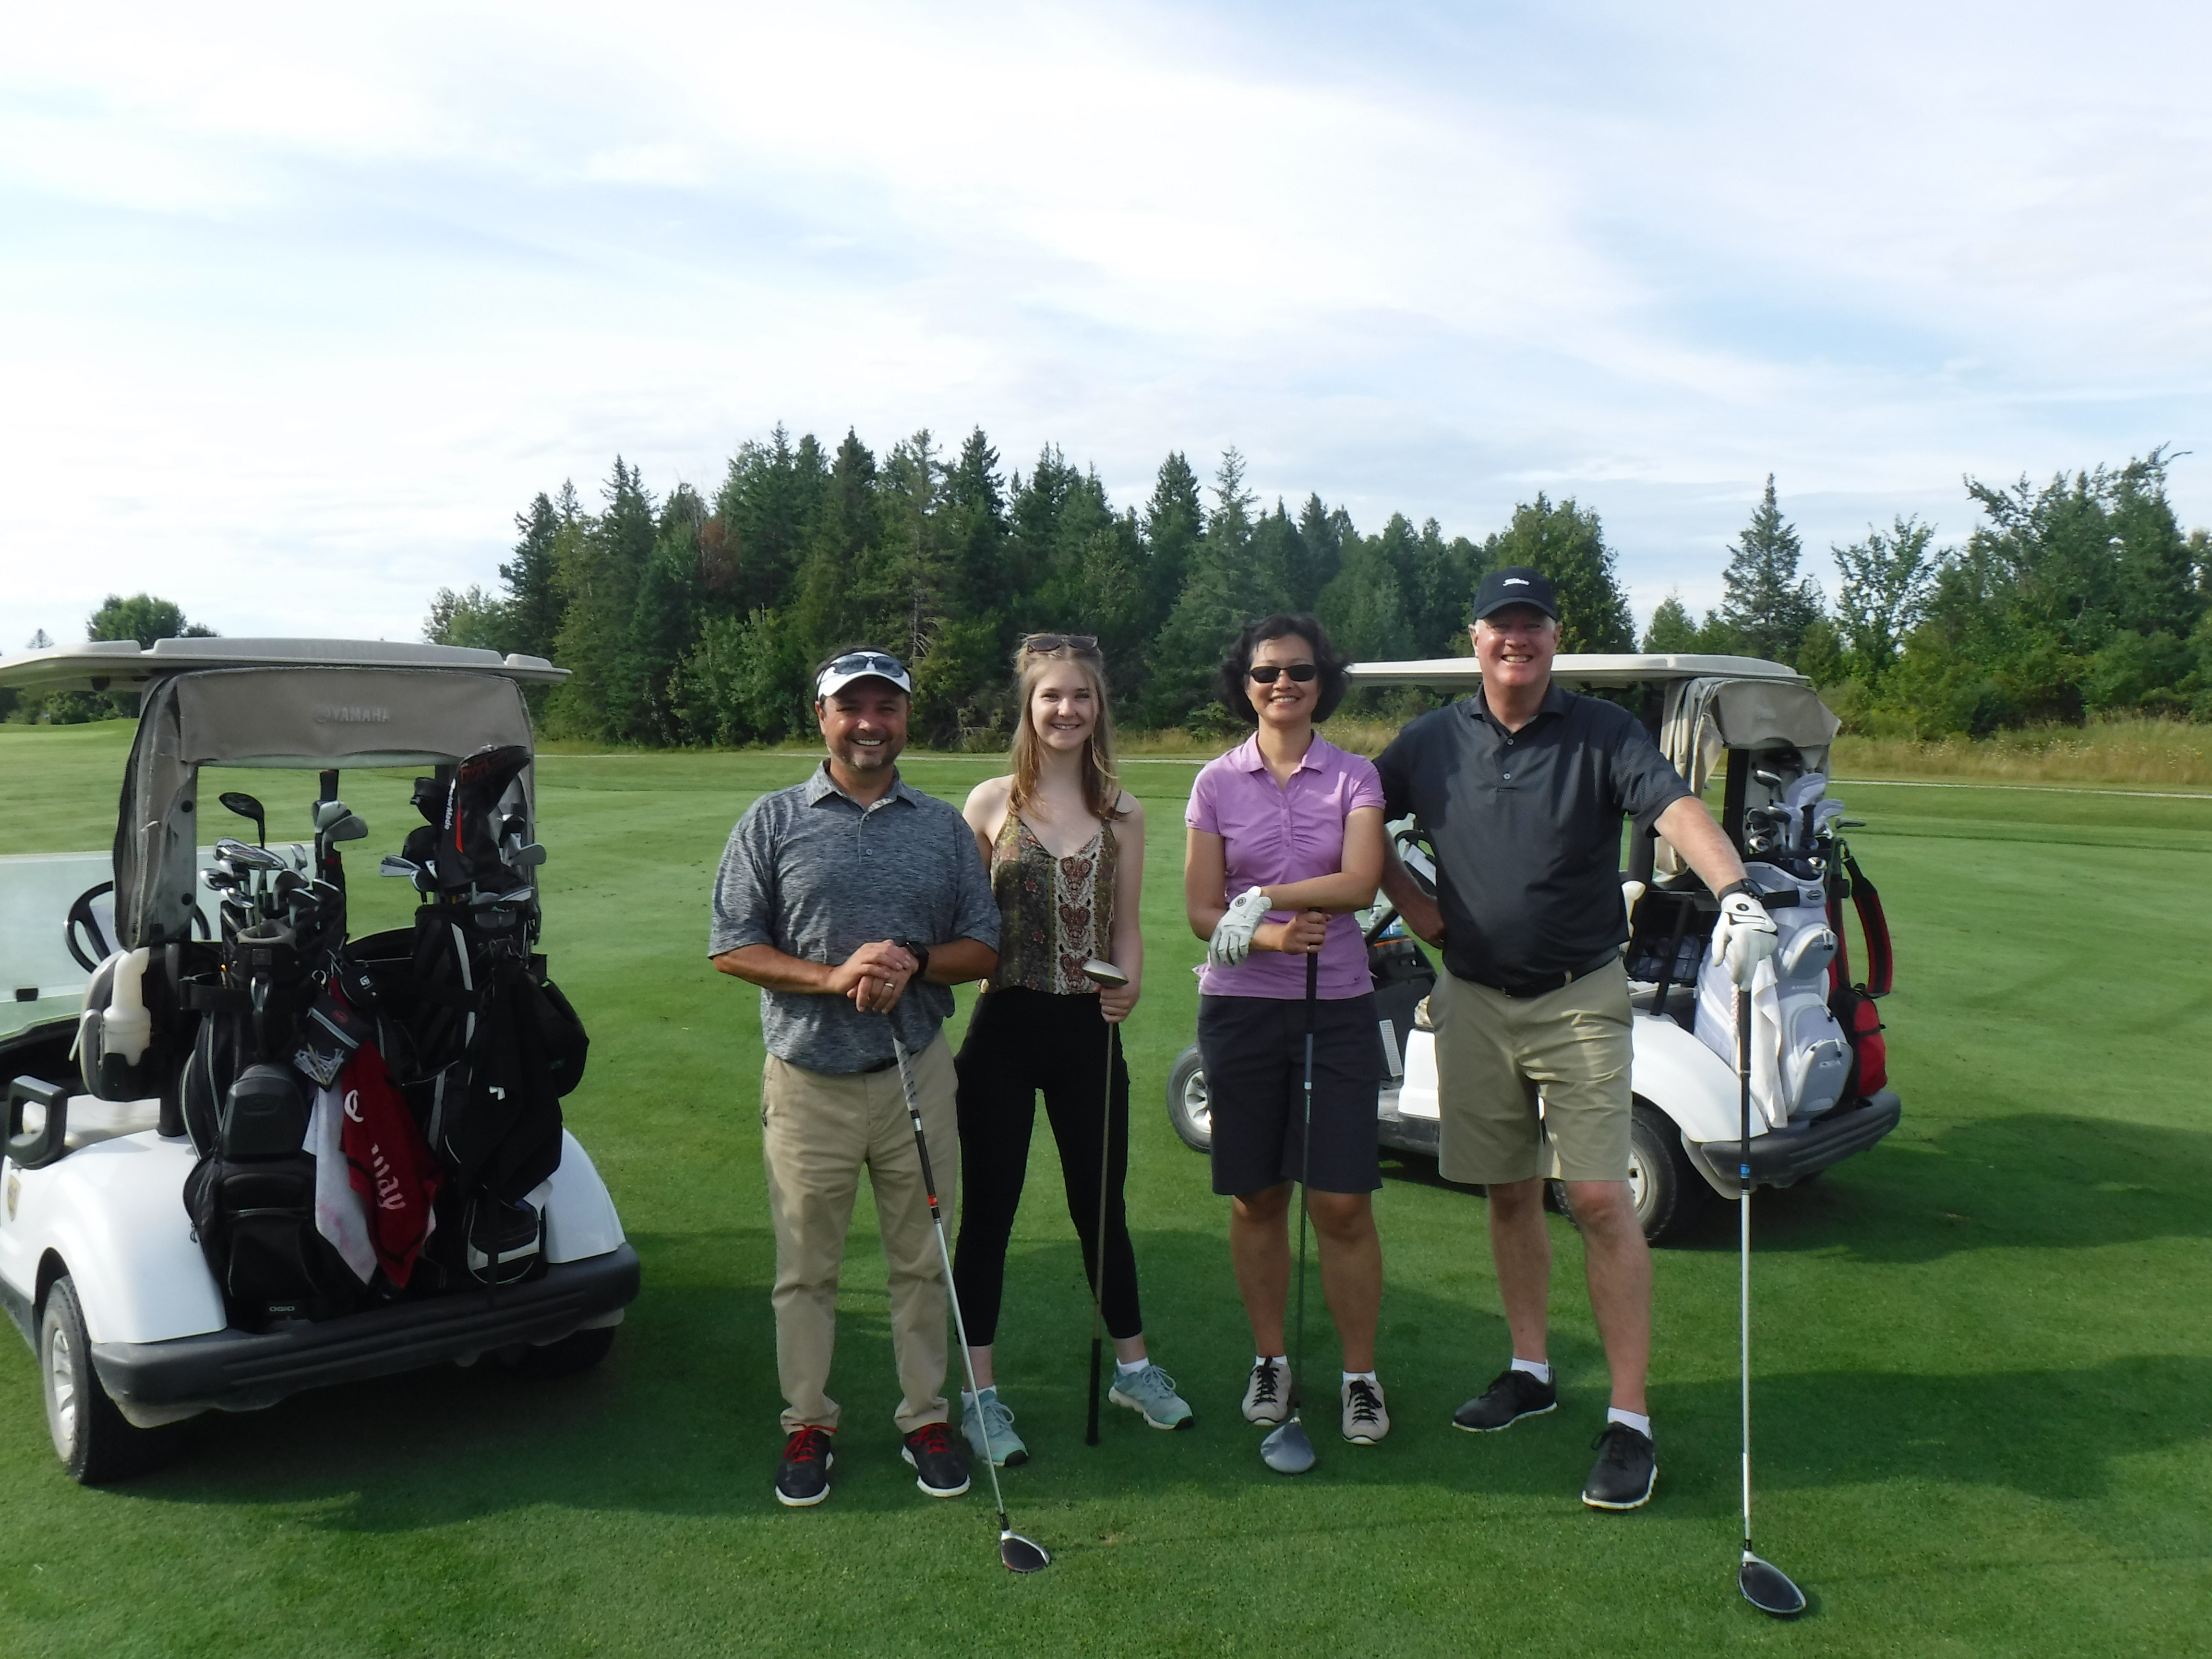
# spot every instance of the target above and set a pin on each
(1102, 783)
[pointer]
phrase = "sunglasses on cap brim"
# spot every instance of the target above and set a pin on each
(1044, 645)
(1267, 673)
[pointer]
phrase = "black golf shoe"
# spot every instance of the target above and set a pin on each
(941, 1462)
(1625, 1470)
(803, 1477)
(1512, 1396)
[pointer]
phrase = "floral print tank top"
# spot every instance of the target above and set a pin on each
(1054, 914)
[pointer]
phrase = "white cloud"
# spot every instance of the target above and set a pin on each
(289, 293)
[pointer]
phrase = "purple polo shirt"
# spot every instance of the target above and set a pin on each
(1271, 836)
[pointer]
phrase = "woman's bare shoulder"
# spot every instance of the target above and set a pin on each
(987, 803)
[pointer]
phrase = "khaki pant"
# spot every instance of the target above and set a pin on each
(817, 1132)
(1495, 1054)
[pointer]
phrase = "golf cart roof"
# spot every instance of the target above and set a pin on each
(121, 665)
(1462, 674)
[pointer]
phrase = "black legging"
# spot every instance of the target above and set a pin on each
(1020, 1041)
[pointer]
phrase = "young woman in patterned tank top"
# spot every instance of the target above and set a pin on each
(1065, 844)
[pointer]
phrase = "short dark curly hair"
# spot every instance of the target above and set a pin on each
(1233, 679)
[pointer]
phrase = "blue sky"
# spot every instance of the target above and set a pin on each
(298, 308)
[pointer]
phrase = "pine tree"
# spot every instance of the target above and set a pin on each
(1172, 520)
(1568, 545)
(599, 570)
(1766, 603)
(1887, 581)
(1672, 633)
(1322, 532)
(533, 602)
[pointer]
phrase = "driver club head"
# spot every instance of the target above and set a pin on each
(246, 806)
(1767, 1588)
(1287, 1450)
(1104, 974)
(1021, 1554)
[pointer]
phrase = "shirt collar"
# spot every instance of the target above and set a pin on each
(1556, 700)
(1246, 755)
(819, 785)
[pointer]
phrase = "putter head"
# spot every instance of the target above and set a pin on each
(1767, 1588)
(1104, 974)
(1287, 1450)
(1021, 1554)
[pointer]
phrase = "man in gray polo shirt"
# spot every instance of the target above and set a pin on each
(1520, 788)
(854, 901)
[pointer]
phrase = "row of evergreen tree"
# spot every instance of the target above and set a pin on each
(696, 621)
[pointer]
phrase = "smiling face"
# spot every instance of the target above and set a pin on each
(1287, 703)
(1514, 646)
(1063, 706)
(864, 724)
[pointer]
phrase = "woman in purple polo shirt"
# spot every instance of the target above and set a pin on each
(1286, 840)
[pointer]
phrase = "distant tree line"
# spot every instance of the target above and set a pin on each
(142, 617)
(696, 621)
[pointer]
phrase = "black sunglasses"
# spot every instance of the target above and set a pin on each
(1043, 644)
(1267, 674)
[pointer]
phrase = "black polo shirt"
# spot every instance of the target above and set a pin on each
(1527, 827)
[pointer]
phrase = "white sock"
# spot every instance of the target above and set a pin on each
(1130, 1367)
(968, 1399)
(1361, 1376)
(1641, 1425)
(1539, 1369)
(1271, 1359)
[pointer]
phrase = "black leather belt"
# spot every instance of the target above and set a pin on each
(1545, 984)
(882, 1065)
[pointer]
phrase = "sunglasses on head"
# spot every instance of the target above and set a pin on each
(1043, 644)
(867, 662)
(1267, 674)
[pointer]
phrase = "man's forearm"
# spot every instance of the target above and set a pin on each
(772, 969)
(957, 961)
(1689, 829)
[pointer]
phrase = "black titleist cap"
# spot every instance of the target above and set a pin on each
(1514, 584)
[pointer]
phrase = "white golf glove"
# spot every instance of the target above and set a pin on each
(1233, 935)
(1744, 936)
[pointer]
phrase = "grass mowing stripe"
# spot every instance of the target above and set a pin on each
(1983, 1422)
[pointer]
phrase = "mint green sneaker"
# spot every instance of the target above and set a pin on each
(982, 1419)
(1151, 1392)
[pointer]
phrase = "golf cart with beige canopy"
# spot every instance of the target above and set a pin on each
(246, 1153)
(1819, 1084)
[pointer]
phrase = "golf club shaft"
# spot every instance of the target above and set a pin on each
(1743, 1221)
(1305, 1175)
(1098, 1238)
(944, 1255)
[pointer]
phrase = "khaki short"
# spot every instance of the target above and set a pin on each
(1497, 1054)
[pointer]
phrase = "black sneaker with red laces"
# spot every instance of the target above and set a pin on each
(803, 1477)
(941, 1462)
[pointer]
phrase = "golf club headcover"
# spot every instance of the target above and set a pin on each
(1233, 935)
(1745, 935)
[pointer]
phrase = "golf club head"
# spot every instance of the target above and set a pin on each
(350, 827)
(1287, 1450)
(245, 855)
(247, 807)
(1104, 974)
(1021, 1554)
(328, 812)
(1767, 1588)
(393, 865)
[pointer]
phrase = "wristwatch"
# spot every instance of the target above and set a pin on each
(919, 952)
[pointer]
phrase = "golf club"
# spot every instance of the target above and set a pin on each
(1019, 1554)
(1765, 1585)
(1106, 976)
(1288, 1450)
(247, 807)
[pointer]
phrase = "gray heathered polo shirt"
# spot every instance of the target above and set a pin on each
(811, 871)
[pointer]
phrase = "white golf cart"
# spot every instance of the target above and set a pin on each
(1819, 1089)
(122, 966)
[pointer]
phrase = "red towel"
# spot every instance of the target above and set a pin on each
(390, 1164)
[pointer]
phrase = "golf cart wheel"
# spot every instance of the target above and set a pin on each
(95, 1443)
(577, 1352)
(1669, 1194)
(1187, 1103)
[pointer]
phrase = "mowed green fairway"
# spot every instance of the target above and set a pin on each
(1984, 1406)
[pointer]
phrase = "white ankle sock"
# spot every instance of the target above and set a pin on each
(1271, 1359)
(1130, 1367)
(1539, 1369)
(968, 1399)
(1642, 1424)
(1361, 1376)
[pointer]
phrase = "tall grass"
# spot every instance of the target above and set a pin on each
(2142, 753)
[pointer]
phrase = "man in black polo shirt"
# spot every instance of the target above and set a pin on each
(1520, 788)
